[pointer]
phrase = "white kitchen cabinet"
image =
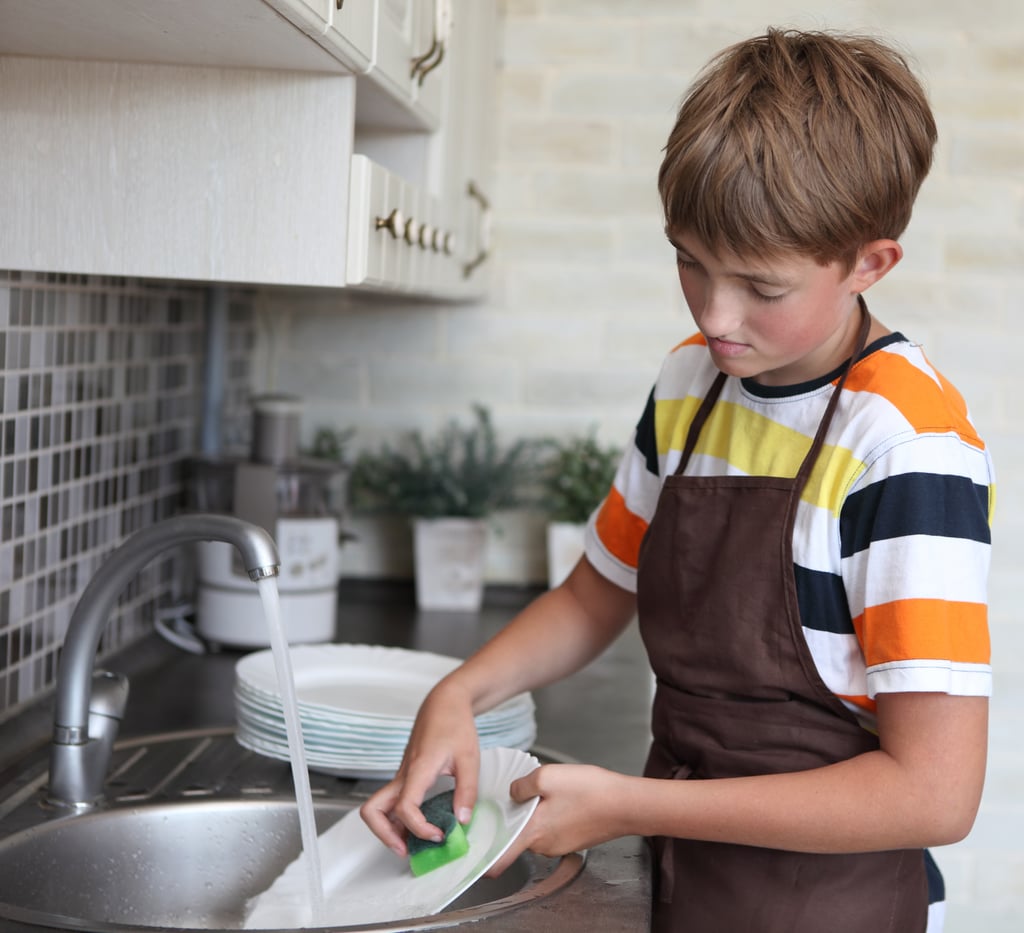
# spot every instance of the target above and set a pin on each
(375, 224)
(169, 172)
(400, 237)
(227, 33)
(224, 147)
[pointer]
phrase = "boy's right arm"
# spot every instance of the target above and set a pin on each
(557, 634)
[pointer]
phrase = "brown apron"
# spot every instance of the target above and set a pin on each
(738, 694)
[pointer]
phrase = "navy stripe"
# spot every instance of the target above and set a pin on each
(822, 600)
(646, 440)
(915, 504)
(936, 884)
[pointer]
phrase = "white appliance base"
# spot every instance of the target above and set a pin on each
(235, 617)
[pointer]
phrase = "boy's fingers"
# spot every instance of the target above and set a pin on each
(467, 782)
(377, 817)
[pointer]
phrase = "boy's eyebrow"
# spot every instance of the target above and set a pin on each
(761, 278)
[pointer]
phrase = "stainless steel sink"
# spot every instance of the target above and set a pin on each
(194, 827)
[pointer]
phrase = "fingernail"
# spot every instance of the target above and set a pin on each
(465, 814)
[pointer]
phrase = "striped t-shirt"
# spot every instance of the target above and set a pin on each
(891, 545)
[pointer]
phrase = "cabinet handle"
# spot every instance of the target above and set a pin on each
(423, 64)
(426, 236)
(412, 232)
(393, 223)
(485, 230)
(338, 4)
(420, 61)
(437, 61)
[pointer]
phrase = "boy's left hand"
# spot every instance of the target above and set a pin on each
(580, 806)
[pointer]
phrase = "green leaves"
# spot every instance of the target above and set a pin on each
(462, 472)
(577, 475)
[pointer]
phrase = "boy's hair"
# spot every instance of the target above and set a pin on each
(806, 142)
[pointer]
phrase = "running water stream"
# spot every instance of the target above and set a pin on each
(300, 772)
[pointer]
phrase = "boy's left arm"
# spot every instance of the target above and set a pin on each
(921, 788)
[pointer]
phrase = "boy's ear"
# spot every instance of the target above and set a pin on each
(874, 261)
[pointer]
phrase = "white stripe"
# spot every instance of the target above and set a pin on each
(913, 452)
(839, 661)
(643, 487)
(814, 528)
(936, 917)
(917, 567)
(930, 676)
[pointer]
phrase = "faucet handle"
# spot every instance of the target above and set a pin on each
(78, 763)
(107, 700)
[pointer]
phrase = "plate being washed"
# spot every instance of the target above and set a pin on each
(365, 882)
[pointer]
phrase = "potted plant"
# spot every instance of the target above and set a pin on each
(576, 476)
(447, 485)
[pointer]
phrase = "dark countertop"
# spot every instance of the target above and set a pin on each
(599, 716)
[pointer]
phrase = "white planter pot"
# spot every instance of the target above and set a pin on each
(565, 548)
(449, 557)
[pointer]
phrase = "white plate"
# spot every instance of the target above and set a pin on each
(370, 680)
(358, 684)
(355, 761)
(365, 882)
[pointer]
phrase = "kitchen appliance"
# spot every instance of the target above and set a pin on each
(294, 498)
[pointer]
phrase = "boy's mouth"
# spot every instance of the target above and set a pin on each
(726, 347)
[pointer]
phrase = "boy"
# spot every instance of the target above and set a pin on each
(801, 525)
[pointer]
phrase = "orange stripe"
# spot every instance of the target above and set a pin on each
(619, 529)
(924, 628)
(696, 340)
(927, 405)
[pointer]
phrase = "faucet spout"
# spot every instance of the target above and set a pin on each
(79, 759)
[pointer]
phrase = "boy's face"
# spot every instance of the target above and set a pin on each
(778, 322)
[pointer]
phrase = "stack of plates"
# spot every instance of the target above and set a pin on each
(356, 705)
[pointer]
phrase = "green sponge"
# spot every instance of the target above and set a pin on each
(425, 855)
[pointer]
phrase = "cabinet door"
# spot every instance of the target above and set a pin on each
(342, 27)
(431, 52)
(396, 38)
(351, 31)
(466, 142)
(411, 53)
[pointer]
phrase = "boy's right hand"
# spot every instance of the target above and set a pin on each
(443, 741)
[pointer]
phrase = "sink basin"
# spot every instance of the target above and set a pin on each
(189, 845)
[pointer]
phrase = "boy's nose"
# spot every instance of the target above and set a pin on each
(717, 315)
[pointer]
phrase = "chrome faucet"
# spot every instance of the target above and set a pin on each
(89, 708)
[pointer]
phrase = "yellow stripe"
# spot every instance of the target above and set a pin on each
(757, 446)
(672, 418)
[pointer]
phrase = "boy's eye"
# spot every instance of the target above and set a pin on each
(761, 296)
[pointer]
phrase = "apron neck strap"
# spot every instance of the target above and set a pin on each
(698, 421)
(819, 436)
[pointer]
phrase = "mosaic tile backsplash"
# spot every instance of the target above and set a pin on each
(100, 401)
